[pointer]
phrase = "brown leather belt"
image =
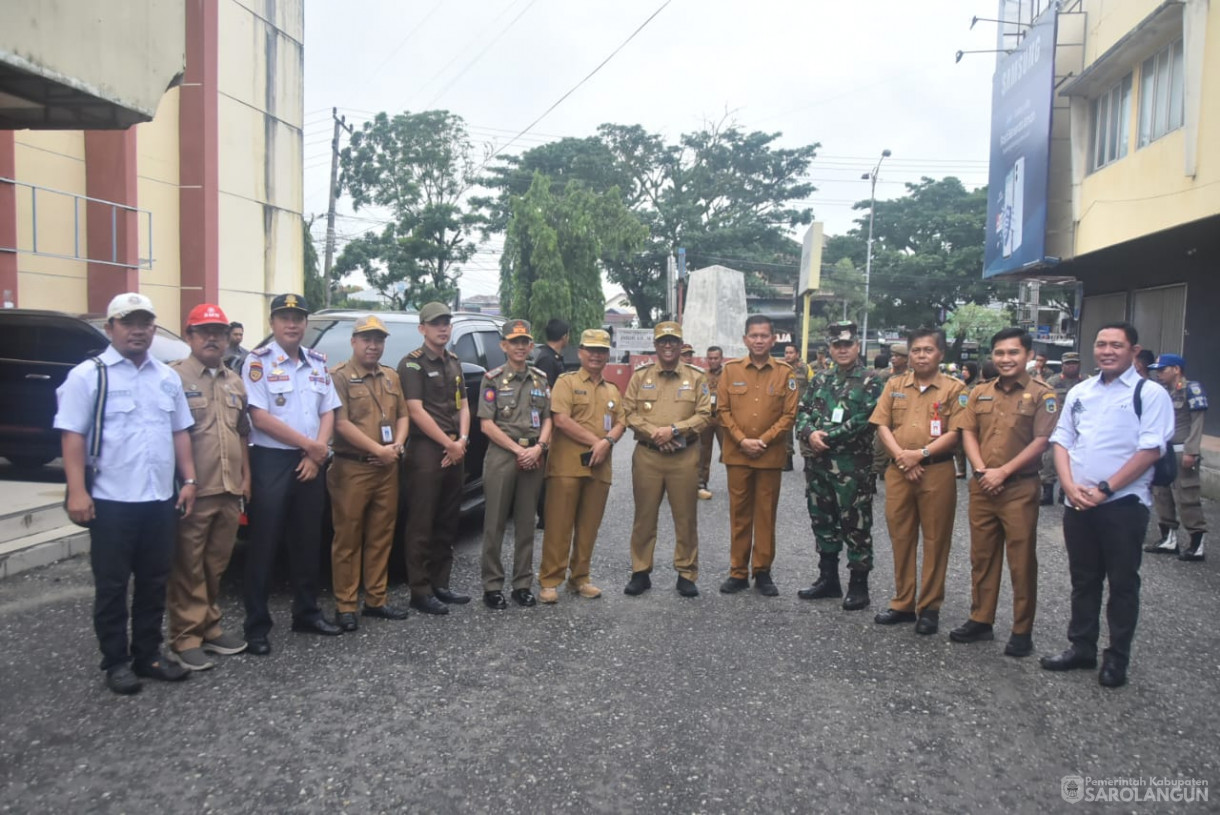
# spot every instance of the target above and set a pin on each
(651, 446)
(354, 457)
(926, 462)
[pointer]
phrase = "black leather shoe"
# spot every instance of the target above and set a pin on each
(928, 623)
(451, 597)
(825, 586)
(1069, 660)
(892, 616)
(972, 631)
(1112, 675)
(122, 681)
(346, 620)
(259, 646)
(495, 600)
(857, 592)
(320, 625)
(687, 588)
(764, 585)
(161, 669)
(639, 583)
(428, 604)
(1019, 645)
(734, 585)
(524, 597)
(386, 612)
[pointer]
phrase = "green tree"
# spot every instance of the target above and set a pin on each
(723, 194)
(315, 286)
(418, 166)
(927, 253)
(974, 322)
(554, 250)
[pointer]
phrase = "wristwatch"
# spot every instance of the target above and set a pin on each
(1104, 487)
(675, 430)
(926, 453)
(545, 445)
(463, 438)
(189, 482)
(609, 439)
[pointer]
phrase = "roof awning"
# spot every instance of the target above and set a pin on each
(1151, 34)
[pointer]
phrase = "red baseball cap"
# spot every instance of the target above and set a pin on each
(206, 314)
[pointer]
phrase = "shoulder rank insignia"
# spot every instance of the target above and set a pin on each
(261, 352)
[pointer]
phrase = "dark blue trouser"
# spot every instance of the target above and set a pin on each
(126, 541)
(1105, 544)
(282, 509)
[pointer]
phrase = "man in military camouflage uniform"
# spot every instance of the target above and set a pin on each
(832, 422)
(1062, 383)
(1181, 499)
(792, 356)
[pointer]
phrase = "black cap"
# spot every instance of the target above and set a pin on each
(289, 302)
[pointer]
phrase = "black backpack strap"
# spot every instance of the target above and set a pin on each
(1139, 402)
(99, 408)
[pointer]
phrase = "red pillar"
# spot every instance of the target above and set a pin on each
(112, 234)
(8, 215)
(199, 166)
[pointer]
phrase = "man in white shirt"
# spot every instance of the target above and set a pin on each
(1108, 439)
(130, 510)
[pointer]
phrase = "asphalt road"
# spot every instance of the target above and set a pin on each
(651, 704)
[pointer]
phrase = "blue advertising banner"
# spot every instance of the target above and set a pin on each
(1021, 100)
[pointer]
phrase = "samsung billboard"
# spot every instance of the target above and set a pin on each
(1021, 101)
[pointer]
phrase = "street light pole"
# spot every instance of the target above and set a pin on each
(868, 259)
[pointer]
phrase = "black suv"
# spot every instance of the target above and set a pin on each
(475, 340)
(37, 349)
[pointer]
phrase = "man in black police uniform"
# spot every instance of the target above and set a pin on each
(550, 361)
(292, 414)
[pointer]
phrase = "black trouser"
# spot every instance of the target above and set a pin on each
(130, 540)
(282, 508)
(434, 503)
(1105, 544)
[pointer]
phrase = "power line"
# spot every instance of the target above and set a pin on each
(408, 36)
(577, 86)
(480, 55)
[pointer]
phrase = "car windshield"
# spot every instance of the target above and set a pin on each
(333, 337)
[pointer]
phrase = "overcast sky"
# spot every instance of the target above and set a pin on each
(858, 77)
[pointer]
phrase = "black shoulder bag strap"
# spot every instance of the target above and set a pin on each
(1165, 470)
(99, 409)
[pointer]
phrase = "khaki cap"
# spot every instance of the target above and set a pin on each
(368, 324)
(595, 338)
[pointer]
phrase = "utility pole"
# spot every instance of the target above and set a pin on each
(340, 125)
(868, 260)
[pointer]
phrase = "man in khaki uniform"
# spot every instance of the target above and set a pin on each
(667, 405)
(1182, 498)
(435, 389)
(712, 432)
(756, 404)
(219, 443)
(804, 373)
(515, 414)
(1062, 382)
(897, 367)
(588, 415)
(370, 430)
(916, 418)
(1006, 425)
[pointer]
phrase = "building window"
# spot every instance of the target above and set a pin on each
(1111, 124)
(1161, 103)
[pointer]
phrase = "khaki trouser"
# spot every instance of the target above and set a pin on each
(753, 502)
(205, 543)
(654, 476)
(574, 509)
(511, 493)
(1182, 500)
(364, 508)
(1005, 522)
(927, 505)
(706, 437)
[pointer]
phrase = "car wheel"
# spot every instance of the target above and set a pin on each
(30, 462)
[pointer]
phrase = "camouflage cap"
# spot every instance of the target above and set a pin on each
(1070, 356)
(843, 331)
(899, 349)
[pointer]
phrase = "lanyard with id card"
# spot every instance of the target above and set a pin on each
(935, 428)
(608, 419)
(836, 415)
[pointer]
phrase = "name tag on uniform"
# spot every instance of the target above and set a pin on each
(608, 422)
(836, 415)
(935, 428)
(387, 433)
(434, 373)
(193, 394)
(535, 419)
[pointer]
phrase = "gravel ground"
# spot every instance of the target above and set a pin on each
(648, 704)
